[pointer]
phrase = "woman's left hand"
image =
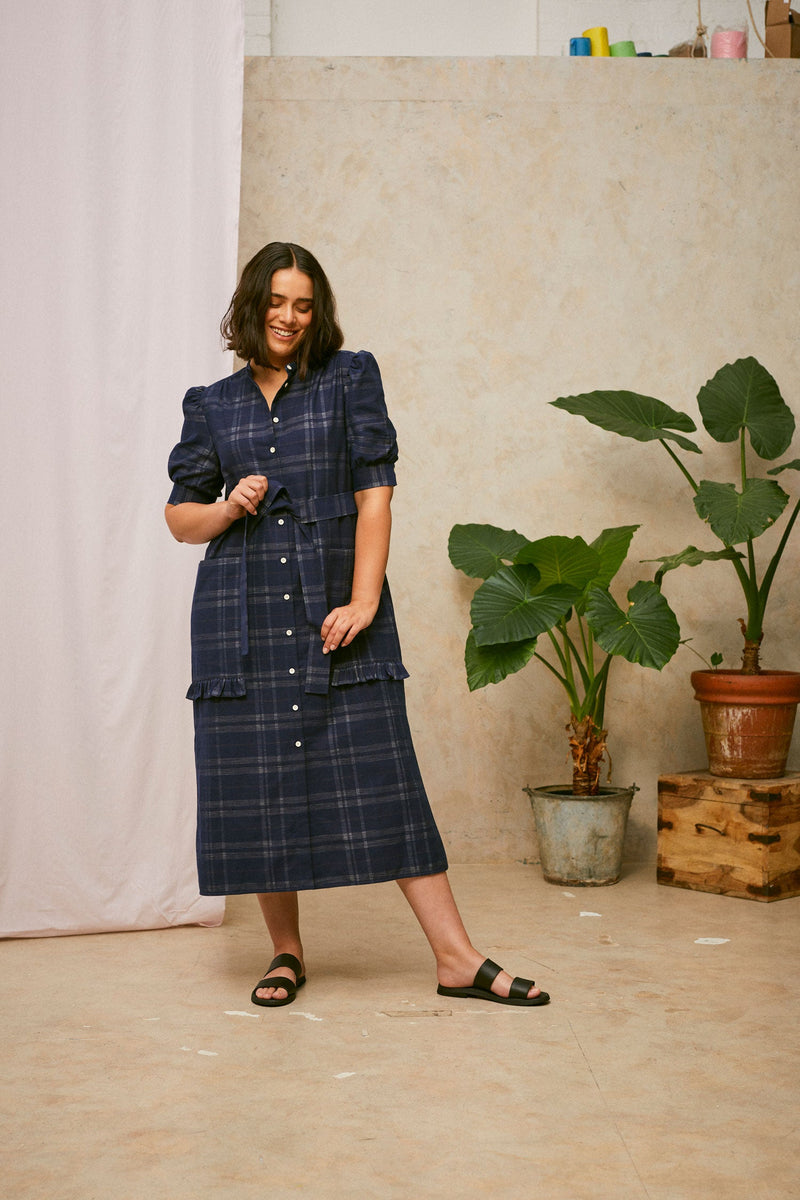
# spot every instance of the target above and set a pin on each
(342, 624)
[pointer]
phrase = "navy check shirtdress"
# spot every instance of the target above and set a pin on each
(306, 771)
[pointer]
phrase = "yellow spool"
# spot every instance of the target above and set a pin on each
(599, 39)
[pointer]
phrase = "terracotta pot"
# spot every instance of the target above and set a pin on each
(747, 721)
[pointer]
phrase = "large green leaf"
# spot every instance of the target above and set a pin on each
(490, 664)
(631, 415)
(478, 550)
(509, 608)
(743, 395)
(612, 545)
(646, 633)
(736, 516)
(561, 560)
(690, 557)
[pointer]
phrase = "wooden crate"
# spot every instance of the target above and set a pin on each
(736, 837)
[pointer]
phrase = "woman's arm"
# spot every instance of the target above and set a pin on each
(198, 523)
(373, 529)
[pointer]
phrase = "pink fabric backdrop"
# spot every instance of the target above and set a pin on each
(120, 126)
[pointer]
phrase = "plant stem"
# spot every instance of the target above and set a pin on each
(587, 641)
(769, 574)
(679, 464)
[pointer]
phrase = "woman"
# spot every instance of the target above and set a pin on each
(305, 768)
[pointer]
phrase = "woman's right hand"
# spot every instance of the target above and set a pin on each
(197, 523)
(247, 495)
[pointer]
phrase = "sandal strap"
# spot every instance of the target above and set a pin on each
(277, 981)
(286, 960)
(486, 975)
(519, 988)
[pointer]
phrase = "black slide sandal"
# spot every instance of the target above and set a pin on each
(279, 981)
(481, 989)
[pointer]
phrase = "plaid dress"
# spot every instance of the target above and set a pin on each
(306, 772)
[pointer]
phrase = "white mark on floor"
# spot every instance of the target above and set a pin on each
(569, 895)
(232, 1012)
(209, 1053)
(344, 1075)
(711, 941)
(591, 914)
(151, 1018)
(308, 1016)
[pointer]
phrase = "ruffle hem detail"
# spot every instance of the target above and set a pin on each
(367, 673)
(217, 689)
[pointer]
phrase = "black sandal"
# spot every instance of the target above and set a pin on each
(481, 989)
(280, 981)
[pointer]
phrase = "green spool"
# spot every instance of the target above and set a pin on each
(623, 50)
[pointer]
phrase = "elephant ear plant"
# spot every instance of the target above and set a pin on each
(742, 401)
(550, 600)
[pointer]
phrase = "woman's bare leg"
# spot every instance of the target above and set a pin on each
(281, 912)
(457, 960)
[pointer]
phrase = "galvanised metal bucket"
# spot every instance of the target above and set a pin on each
(581, 837)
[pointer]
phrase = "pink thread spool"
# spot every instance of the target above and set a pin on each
(729, 43)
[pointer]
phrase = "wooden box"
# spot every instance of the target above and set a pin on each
(737, 837)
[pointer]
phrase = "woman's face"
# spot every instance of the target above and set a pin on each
(289, 314)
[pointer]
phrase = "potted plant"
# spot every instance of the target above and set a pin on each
(748, 713)
(550, 601)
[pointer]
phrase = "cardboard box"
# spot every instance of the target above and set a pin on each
(735, 837)
(782, 34)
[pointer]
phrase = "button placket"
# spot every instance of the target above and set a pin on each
(285, 560)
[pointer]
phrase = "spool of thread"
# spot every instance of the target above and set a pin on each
(622, 50)
(644, 54)
(580, 47)
(729, 43)
(599, 39)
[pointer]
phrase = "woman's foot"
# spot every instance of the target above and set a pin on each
(287, 972)
(487, 981)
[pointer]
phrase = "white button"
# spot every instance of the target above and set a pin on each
(286, 596)
(288, 633)
(274, 420)
(284, 560)
(272, 449)
(298, 744)
(292, 671)
(295, 707)
(281, 521)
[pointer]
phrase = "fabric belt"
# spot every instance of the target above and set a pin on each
(304, 514)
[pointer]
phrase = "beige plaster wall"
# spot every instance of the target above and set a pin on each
(500, 232)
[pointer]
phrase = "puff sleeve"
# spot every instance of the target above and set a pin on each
(372, 442)
(194, 467)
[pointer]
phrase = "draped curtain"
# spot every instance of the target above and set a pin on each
(120, 130)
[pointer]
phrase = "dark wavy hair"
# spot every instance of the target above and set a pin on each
(242, 327)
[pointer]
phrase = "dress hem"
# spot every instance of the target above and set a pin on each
(314, 887)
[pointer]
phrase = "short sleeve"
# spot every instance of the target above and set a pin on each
(193, 465)
(371, 436)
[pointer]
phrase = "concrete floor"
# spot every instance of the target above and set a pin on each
(666, 1069)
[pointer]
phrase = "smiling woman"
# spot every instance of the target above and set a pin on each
(306, 772)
